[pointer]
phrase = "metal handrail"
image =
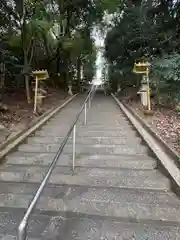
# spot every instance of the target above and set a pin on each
(22, 228)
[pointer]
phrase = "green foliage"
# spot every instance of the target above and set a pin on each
(110, 6)
(165, 75)
(178, 108)
(167, 68)
(52, 34)
(141, 31)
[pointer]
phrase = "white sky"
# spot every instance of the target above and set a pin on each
(99, 42)
(99, 37)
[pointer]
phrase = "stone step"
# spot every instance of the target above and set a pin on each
(40, 156)
(88, 127)
(101, 119)
(70, 226)
(114, 122)
(101, 202)
(121, 178)
(95, 125)
(88, 161)
(66, 119)
(62, 133)
(71, 192)
(119, 122)
(84, 149)
(112, 115)
(86, 140)
(113, 161)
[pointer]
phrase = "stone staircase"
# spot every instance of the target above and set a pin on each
(115, 193)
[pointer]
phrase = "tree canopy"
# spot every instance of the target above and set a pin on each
(145, 30)
(51, 34)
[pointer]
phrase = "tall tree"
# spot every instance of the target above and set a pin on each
(141, 31)
(28, 21)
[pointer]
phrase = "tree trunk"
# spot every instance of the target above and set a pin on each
(28, 93)
(2, 80)
(157, 92)
(78, 72)
(68, 58)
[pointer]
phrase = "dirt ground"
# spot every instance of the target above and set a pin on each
(166, 122)
(20, 113)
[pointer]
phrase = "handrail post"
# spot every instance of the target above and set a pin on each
(90, 101)
(74, 146)
(85, 114)
(22, 230)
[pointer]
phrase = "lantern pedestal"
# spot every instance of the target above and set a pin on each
(143, 68)
(148, 112)
(70, 90)
(143, 95)
(39, 75)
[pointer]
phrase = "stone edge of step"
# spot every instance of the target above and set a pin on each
(8, 145)
(167, 157)
(77, 214)
(124, 226)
